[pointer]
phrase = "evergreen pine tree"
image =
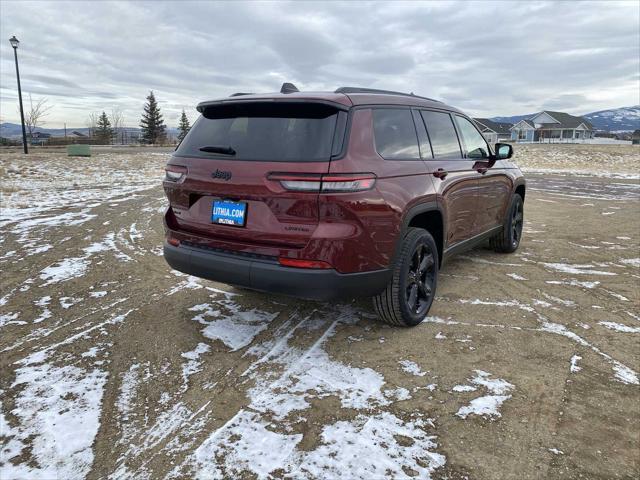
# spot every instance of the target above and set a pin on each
(152, 124)
(103, 130)
(184, 126)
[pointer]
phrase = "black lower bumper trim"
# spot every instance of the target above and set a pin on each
(270, 276)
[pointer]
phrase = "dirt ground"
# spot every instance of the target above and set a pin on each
(114, 366)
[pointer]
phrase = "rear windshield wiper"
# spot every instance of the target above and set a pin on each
(218, 149)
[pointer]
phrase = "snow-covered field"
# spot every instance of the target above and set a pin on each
(114, 366)
(618, 161)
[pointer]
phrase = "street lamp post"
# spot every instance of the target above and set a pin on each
(14, 43)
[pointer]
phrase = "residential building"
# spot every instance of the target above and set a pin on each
(494, 131)
(552, 127)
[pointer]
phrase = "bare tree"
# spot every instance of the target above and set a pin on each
(117, 121)
(34, 117)
(91, 123)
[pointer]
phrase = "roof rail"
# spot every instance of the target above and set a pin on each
(347, 90)
(239, 94)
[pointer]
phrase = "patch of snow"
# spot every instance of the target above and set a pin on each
(555, 451)
(412, 368)
(317, 376)
(515, 276)
(10, 318)
(399, 394)
(584, 269)
(58, 409)
(573, 283)
(625, 374)
(574, 364)
(488, 405)
(236, 445)
(617, 295)
(635, 262)
(464, 388)
(193, 365)
(391, 446)
(237, 328)
(64, 270)
(92, 352)
(68, 302)
(191, 283)
(46, 313)
(98, 294)
(619, 327)
(440, 336)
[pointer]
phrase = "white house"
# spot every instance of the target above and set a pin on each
(550, 126)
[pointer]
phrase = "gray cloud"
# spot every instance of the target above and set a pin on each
(486, 58)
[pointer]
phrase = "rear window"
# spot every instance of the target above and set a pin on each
(442, 134)
(395, 134)
(294, 132)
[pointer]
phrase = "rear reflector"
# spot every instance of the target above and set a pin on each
(346, 182)
(297, 263)
(174, 241)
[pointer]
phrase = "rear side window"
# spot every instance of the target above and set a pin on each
(473, 139)
(442, 133)
(395, 134)
(294, 132)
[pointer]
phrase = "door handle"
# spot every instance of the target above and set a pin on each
(440, 173)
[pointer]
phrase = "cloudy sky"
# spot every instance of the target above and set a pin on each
(486, 58)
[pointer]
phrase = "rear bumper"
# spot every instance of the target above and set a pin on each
(270, 276)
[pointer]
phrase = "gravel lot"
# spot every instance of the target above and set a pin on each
(114, 366)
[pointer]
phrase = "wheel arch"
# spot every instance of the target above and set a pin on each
(428, 216)
(520, 189)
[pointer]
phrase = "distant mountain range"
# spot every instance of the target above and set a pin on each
(9, 130)
(613, 120)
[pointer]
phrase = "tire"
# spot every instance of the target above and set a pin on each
(415, 277)
(508, 239)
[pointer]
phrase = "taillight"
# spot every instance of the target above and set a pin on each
(348, 182)
(318, 183)
(301, 263)
(175, 173)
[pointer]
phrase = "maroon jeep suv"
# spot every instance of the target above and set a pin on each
(321, 195)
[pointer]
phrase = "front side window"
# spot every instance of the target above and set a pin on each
(395, 134)
(442, 133)
(474, 141)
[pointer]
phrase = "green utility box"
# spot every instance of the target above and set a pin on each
(78, 151)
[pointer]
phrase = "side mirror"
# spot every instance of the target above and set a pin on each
(503, 151)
